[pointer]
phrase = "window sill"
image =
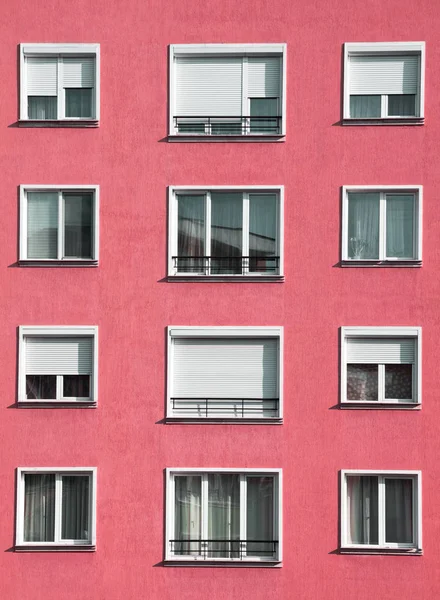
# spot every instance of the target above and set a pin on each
(56, 404)
(55, 548)
(382, 263)
(226, 138)
(58, 123)
(222, 420)
(227, 278)
(385, 121)
(194, 561)
(383, 551)
(381, 405)
(57, 263)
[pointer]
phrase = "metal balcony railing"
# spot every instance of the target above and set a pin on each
(233, 549)
(226, 265)
(227, 125)
(244, 408)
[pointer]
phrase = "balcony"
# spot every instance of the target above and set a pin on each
(227, 125)
(226, 408)
(232, 549)
(226, 265)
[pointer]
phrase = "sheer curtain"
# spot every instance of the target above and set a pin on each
(187, 514)
(78, 225)
(39, 508)
(400, 226)
(42, 107)
(223, 515)
(75, 507)
(399, 511)
(262, 232)
(260, 516)
(226, 232)
(365, 106)
(363, 510)
(363, 225)
(191, 233)
(42, 225)
(79, 103)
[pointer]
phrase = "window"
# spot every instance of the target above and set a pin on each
(59, 82)
(56, 507)
(224, 515)
(59, 224)
(227, 373)
(381, 366)
(226, 232)
(382, 224)
(227, 89)
(381, 510)
(384, 81)
(58, 364)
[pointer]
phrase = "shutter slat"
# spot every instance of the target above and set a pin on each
(264, 77)
(225, 368)
(78, 72)
(384, 74)
(208, 86)
(381, 351)
(59, 356)
(41, 76)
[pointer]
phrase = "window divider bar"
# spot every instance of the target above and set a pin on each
(381, 383)
(245, 232)
(204, 510)
(382, 227)
(60, 95)
(60, 236)
(243, 507)
(382, 505)
(58, 506)
(208, 213)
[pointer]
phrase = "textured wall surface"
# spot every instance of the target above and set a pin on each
(128, 297)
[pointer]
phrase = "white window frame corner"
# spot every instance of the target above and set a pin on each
(417, 190)
(25, 331)
(56, 49)
(89, 544)
(384, 48)
(416, 477)
(23, 191)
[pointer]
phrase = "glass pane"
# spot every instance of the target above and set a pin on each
(260, 517)
(402, 105)
(365, 107)
(223, 515)
(76, 386)
(187, 515)
(191, 127)
(41, 387)
(362, 382)
(42, 225)
(400, 226)
(78, 220)
(264, 107)
(399, 511)
(363, 226)
(226, 232)
(362, 500)
(191, 234)
(75, 508)
(79, 103)
(39, 508)
(226, 128)
(42, 107)
(398, 382)
(263, 233)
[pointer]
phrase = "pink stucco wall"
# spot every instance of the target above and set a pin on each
(131, 302)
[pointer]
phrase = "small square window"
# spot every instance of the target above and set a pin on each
(222, 515)
(381, 511)
(56, 508)
(227, 90)
(58, 365)
(59, 82)
(59, 224)
(382, 225)
(384, 81)
(223, 373)
(381, 366)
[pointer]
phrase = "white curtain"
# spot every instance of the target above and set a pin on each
(79, 103)
(187, 515)
(223, 515)
(363, 509)
(226, 232)
(400, 223)
(260, 516)
(262, 232)
(398, 511)
(191, 233)
(42, 107)
(363, 225)
(39, 508)
(42, 225)
(365, 106)
(75, 507)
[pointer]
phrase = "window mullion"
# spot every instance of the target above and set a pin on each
(382, 227)
(245, 104)
(381, 509)
(60, 94)
(243, 513)
(384, 106)
(58, 506)
(60, 237)
(381, 383)
(245, 234)
(208, 233)
(59, 387)
(204, 510)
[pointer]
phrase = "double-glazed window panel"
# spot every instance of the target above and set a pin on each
(58, 365)
(56, 507)
(225, 373)
(59, 82)
(227, 89)
(223, 515)
(382, 224)
(384, 81)
(225, 232)
(381, 511)
(59, 224)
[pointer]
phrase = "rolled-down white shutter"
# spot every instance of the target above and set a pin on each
(384, 74)
(78, 72)
(381, 350)
(208, 86)
(225, 368)
(59, 356)
(264, 77)
(41, 76)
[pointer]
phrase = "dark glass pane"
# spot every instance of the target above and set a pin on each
(401, 105)
(226, 128)
(400, 226)
(363, 225)
(191, 234)
(75, 508)
(42, 107)
(79, 103)
(398, 382)
(263, 233)
(76, 386)
(399, 511)
(362, 382)
(39, 508)
(363, 524)
(78, 220)
(260, 108)
(41, 387)
(226, 232)
(191, 127)
(260, 517)
(365, 107)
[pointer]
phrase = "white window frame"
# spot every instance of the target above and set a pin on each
(25, 189)
(208, 50)
(384, 190)
(62, 331)
(384, 333)
(177, 331)
(278, 517)
(385, 49)
(59, 50)
(89, 544)
(416, 477)
(175, 191)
